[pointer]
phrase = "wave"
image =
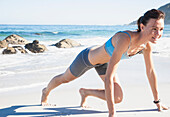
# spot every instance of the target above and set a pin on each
(58, 33)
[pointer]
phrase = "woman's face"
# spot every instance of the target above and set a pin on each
(154, 29)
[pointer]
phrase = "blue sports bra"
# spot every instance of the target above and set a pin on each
(110, 48)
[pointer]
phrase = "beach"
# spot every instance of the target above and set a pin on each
(137, 102)
(23, 76)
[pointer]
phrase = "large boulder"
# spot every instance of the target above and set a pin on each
(35, 47)
(15, 39)
(9, 50)
(67, 43)
(3, 44)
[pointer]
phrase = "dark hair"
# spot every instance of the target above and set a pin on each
(153, 13)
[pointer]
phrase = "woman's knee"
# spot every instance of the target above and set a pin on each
(119, 99)
(118, 93)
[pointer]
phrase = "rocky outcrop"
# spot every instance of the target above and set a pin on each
(13, 50)
(35, 47)
(3, 44)
(15, 39)
(67, 43)
(9, 50)
(37, 33)
(165, 9)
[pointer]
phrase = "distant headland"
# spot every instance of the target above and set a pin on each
(165, 9)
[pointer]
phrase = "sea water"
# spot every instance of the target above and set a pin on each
(32, 69)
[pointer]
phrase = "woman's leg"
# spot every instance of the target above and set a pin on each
(79, 66)
(55, 82)
(100, 93)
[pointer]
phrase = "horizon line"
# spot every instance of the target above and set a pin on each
(69, 24)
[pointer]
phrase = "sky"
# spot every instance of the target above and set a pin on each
(75, 12)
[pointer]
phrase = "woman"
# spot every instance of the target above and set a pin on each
(122, 45)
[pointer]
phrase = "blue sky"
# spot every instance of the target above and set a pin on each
(80, 12)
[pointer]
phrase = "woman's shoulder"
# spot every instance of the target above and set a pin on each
(124, 36)
(121, 40)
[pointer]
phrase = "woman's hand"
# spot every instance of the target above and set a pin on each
(161, 107)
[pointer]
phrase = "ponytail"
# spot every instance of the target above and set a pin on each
(138, 23)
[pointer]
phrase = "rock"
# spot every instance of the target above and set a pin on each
(67, 43)
(15, 39)
(35, 42)
(9, 50)
(3, 44)
(35, 47)
(13, 50)
(37, 33)
(21, 49)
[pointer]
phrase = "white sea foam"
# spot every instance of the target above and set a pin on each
(162, 48)
(55, 32)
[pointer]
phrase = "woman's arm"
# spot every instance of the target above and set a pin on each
(151, 74)
(120, 48)
(109, 85)
(150, 71)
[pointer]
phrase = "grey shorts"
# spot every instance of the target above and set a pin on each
(81, 64)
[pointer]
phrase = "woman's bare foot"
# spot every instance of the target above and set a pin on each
(83, 97)
(44, 97)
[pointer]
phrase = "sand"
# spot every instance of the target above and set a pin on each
(137, 102)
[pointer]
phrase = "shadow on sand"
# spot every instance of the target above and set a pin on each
(76, 110)
(56, 111)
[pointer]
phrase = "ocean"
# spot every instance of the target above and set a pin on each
(23, 70)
